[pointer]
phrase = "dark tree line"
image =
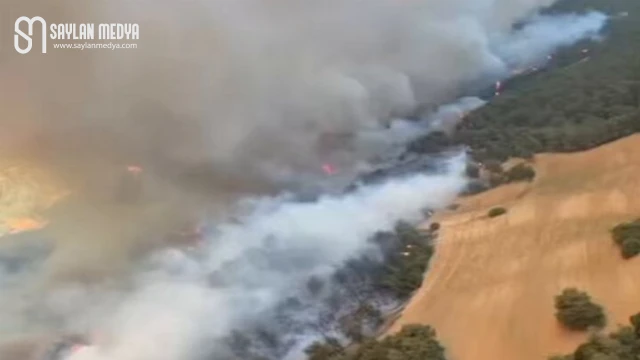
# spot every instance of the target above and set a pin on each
(413, 342)
(587, 96)
(343, 308)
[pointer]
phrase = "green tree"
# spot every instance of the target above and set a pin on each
(576, 311)
(521, 172)
(627, 236)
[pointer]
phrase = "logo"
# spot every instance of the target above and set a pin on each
(67, 35)
(30, 21)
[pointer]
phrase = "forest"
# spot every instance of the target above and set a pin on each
(588, 95)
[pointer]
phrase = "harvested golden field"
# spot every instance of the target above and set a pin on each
(489, 292)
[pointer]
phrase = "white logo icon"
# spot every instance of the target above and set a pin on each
(20, 33)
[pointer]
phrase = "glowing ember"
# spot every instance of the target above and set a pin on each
(24, 224)
(498, 88)
(328, 169)
(134, 169)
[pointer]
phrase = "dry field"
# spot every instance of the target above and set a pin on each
(489, 292)
(26, 191)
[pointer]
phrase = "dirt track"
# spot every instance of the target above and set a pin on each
(489, 292)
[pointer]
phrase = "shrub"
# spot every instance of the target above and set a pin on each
(330, 349)
(630, 248)
(413, 342)
(576, 311)
(626, 230)
(627, 236)
(521, 172)
(495, 212)
(623, 344)
(434, 227)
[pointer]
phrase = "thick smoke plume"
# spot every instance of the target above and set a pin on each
(233, 95)
(545, 33)
(251, 266)
(223, 100)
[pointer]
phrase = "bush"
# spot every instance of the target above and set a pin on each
(413, 342)
(330, 349)
(627, 236)
(434, 227)
(630, 248)
(495, 212)
(622, 344)
(521, 172)
(576, 311)
(626, 230)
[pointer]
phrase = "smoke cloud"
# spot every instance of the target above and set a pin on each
(239, 92)
(225, 100)
(543, 34)
(248, 267)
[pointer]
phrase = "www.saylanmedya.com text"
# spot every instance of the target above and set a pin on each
(68, 35)
(87, 46)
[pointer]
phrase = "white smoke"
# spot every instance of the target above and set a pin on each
(543, 34)
(175, 311)
(247, 87)
(400, 132)
(448, 116)
(243, 88)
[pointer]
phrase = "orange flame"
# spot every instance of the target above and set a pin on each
(17, 225)
(134, 169)
(328, 169)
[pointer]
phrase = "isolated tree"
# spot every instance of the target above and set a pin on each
(576, 311)
(521, 172)
(630, 247)
(627, 236)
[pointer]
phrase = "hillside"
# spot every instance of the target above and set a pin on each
(489, 292)
(587, 95)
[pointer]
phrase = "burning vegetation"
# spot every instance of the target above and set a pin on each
(253, 274)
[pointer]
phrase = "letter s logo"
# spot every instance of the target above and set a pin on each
(20, 33)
